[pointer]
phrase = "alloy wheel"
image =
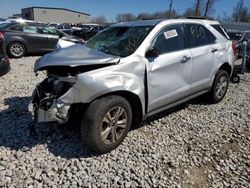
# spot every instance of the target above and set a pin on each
(221, 87)
(16, 50)
(113, 125)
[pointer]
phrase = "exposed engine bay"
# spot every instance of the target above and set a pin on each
(46, 104)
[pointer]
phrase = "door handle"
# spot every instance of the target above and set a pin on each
(214, 50)
(185, 59)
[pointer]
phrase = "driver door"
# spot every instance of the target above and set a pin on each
(168, 74)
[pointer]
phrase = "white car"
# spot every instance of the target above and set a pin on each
(63, 43)
(129, 72)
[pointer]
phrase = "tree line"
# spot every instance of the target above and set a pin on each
(240, 13)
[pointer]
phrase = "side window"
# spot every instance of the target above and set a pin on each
(16, 28)
(221, 30)
(212, 38)
(95, 29)
(198, 35)
(46, 30)
(169, 39)
(29, 28)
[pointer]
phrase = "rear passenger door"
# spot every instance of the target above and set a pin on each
(49, 36)
(34, 41)
(205, 55)
(37, 39)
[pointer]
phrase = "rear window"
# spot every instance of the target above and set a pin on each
(246, 36)
(221, 30)
(5, 25)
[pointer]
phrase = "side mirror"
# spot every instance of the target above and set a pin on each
(152, 53)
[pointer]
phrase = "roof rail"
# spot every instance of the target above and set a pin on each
(195, 17)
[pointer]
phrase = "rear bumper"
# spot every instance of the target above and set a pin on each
(4, 66)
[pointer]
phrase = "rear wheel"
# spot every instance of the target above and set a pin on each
(16, 50)
(106, 123)
(219, 88)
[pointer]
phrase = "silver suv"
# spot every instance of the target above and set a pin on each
(129, 72)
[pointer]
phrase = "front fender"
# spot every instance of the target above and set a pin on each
(91, 86)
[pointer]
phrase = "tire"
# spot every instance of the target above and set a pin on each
(235, 79)
(16, 50)
(219, 88)
(100, 129)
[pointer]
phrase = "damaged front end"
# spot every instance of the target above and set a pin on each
(46, 105)
(54, 96)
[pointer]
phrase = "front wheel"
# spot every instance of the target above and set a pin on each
(219, 88)
(106, 123)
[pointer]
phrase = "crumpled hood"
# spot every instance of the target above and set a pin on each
(73, 56)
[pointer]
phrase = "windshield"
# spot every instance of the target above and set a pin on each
(119, 41)
(86, 27)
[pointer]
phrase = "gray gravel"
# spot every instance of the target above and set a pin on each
(194, 145)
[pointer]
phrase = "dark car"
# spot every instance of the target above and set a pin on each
(248, 62)
(234, 35)
(30, 37)
(4, 60)
(65, 27)
(239, 44)
(88, 31)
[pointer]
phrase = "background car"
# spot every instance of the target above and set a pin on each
(4, 60)
(239, 44)
(237, 38)
(248, 62)
(88, 30)
(22, 37)
(53, 24)
(65, 27)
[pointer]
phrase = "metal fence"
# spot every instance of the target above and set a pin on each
(237, 26)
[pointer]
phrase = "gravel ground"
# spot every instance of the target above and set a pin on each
(194, 145)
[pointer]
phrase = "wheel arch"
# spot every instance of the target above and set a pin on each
(135, 103)
(226, 67)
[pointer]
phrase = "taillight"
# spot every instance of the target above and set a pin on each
(248, 58)
(1, 35)
(6, 60)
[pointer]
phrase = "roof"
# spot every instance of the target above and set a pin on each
(20, 20)
(156, 21)
(138, 23)
(58, 9)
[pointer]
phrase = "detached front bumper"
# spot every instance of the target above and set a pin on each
(58, 112)
(46, 104)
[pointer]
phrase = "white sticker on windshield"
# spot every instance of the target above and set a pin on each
(170, 34)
